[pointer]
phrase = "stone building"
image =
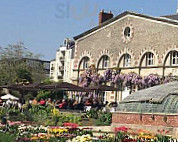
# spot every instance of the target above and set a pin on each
(131, 42)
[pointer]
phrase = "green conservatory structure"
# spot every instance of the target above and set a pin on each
(158, 99)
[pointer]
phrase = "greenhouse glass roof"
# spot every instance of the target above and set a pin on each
(157, 99)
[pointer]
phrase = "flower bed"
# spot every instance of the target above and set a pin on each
(69, 132)
(125, 134)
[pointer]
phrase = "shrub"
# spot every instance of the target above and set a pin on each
(29, 96)
(43, 95)
(49, 122)
(102, 118)
(6, 137)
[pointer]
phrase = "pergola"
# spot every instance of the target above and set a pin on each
(40, 86)
(62, 86)
(32, 87)
(12, 87)
(102, 88)
(65, 86)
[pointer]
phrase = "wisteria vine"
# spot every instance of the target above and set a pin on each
(90, 77)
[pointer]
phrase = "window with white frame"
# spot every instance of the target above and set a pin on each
(127, 60)
(174, 57)
(149, 59)
(105, 62)
(86, 62)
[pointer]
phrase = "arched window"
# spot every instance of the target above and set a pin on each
(147, 59)
(127, 60)
(174, 58)
(104, 62)
(84, 64)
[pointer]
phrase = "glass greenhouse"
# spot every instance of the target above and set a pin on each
(158, 99)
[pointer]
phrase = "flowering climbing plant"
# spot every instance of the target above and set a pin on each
(90, 77)
(151, 80)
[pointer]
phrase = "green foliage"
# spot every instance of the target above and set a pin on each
(162, 138)
(3, 112)
(28, 96)
(60, 118)
(102, 118)
(43, 94)
(6, 137)
(107, 138)
(49, 108)
(57, 95)
(92, 114)
(40, 115)
(47, 81)
(15, 67)
(49, 122)
(120, 136)
(23, 75)
(15, 93)
(69, 118)
(13, 111)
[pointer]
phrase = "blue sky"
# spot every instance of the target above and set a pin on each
(43, 24)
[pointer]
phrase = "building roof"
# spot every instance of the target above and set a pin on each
(158, 99)
(154, 94)
(162, 19)
(36, 59)
(53, 60)
(174, 17)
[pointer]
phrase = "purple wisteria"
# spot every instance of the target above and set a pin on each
(90, 77)
(151, 80)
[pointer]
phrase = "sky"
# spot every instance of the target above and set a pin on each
(42, 25)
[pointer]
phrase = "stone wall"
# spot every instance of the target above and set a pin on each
(147, 36)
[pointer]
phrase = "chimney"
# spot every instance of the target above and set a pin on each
(104, 16)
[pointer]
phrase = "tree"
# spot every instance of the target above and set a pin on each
(23, 75)
(15, 68)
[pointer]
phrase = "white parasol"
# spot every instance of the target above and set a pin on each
(9, 96)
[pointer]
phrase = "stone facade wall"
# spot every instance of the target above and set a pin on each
(147, 36)
(145, 119)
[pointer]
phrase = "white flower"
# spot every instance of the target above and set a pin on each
(69, 140)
